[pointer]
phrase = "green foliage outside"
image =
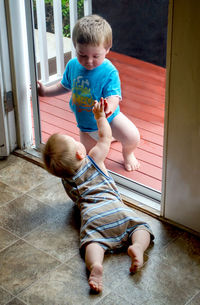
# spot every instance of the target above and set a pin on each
(65, 14)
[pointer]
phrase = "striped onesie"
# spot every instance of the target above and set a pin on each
(105, 219)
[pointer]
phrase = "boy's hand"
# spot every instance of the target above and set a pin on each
(111, 105)
(52, 90)
(108, 111)
(99, 108)
(41, 89)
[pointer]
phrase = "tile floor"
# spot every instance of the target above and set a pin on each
(39, 251)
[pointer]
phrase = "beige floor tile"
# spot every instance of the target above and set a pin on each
(195, 300)
(183, 256)
(52, 193)
(155, 281)
(77, 264)
(164, 233)
(116, 269)
(7, 193)
(23, 175)
(114, 299)
(24, 214)
(61, 287)
(16, 301)
(5, 162)
(153, 301)
(5, 296)
(6, 238)
(57, 238)
(21, 265)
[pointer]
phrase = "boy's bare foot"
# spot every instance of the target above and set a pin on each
(130, 162)
(136, 253)
(95, 278)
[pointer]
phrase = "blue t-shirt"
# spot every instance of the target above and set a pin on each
(87, 86)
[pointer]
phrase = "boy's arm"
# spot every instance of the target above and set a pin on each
(53, 90)
(99, 152)
(112, 103)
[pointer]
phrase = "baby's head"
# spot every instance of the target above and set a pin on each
(92, 30)
(62, 155)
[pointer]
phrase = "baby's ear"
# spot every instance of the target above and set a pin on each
(80, 155)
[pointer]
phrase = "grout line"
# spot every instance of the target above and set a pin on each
(29, 243)
(37, 280)
(188, 302)
(14, 299)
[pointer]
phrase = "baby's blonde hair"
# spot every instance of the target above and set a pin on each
(59, 156)
(93, 30)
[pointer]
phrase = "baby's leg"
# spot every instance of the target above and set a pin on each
(94, 255)
(126, 132)
(86, 140)
(140, 242)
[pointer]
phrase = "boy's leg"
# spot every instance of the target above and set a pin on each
(86, 140)
(126, 132)
(140, 242)
(94, 255)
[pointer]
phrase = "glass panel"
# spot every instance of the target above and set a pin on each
(139, 55)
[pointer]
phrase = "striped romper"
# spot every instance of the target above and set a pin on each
(105, 219)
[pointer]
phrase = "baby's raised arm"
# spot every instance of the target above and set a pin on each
(99, 152)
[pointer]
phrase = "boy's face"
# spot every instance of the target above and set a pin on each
(90, 56)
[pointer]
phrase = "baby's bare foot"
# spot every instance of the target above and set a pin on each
(95, 278)
(137, 255)
(130, 162)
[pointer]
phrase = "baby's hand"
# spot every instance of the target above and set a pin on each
(99, 108)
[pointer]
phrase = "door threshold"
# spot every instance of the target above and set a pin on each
(139, 201)
(31, 155)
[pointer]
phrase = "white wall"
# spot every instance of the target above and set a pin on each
(182, 192)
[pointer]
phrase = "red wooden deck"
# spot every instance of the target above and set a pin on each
(143, 92)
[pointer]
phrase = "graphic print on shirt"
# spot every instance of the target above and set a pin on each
(81, 94)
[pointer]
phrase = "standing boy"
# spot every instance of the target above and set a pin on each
(90, 76)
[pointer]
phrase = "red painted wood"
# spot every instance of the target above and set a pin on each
(143, 92)
(142, 65)
(136, 176)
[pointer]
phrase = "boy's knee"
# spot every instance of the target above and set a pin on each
(132, 138)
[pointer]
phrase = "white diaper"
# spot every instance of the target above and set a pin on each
(94, 135)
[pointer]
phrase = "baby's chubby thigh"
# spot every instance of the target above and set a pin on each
(124, 130)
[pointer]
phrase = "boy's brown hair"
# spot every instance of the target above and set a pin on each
(93, 30)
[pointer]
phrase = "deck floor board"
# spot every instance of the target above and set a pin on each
(143, 93)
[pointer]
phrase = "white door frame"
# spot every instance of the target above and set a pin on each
(4, 143)
(181, 191)
(18, 51)
(7, 119)
(33, 71)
